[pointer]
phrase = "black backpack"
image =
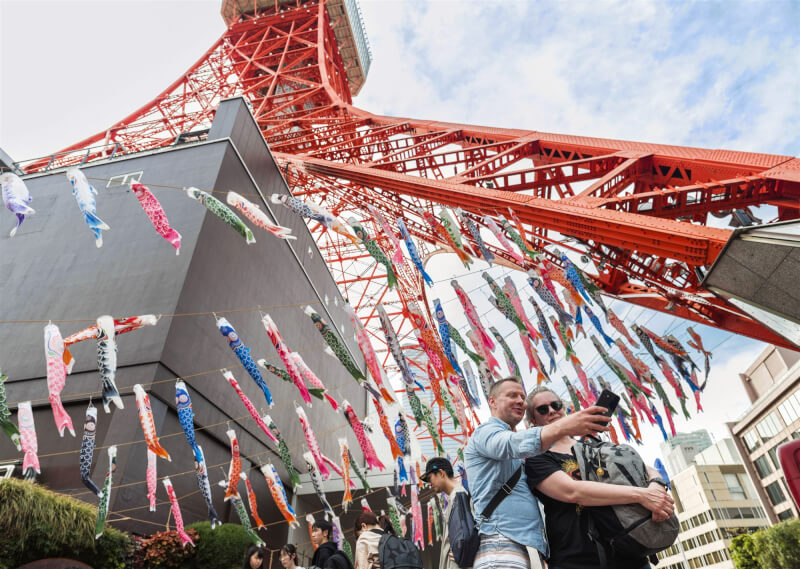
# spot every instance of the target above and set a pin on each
(339, 561)
(462, 532)
(398, 553)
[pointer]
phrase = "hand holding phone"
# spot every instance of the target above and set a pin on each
(609, 400)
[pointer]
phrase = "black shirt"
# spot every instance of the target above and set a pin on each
(567, 524)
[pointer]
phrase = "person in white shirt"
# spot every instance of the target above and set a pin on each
(439, 474)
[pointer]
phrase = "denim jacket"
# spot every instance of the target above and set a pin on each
(493, 454)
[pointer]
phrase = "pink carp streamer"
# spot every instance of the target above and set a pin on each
(251, 500)
(155, 213)
(152, 478)
(257, 217)
(284, 353)
(30, 446)
(365, 505)
(498, 233)
(312, 378)
(375, 369)
(313, 445)
(235, 468)
(347, 498)
(148, 425)
(416, 513)
(366, 446)
(56, 377)
(176, 513)
(472, 317)
(397, 256)
(249, 406)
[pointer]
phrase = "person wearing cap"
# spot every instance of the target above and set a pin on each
(494, 454)
(439, 474)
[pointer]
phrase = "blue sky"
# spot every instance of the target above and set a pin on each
(711, 74)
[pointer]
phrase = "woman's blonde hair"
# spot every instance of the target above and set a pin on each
(529, 417)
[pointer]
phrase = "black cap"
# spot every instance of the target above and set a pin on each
(436, 464)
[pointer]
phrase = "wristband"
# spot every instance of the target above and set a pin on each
(660, 481)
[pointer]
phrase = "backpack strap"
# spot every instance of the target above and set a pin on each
(594, 536)
(505, 490)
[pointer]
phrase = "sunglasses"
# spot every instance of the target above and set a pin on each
(557, 405)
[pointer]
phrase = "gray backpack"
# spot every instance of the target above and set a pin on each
(601, 461)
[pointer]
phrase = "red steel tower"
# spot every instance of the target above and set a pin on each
(639, 212)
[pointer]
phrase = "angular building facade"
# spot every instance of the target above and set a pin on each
(773, 384)
(52, 271)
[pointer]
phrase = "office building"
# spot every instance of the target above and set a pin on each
(714, 501)
(772, 383)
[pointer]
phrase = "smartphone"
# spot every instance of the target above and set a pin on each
(609, 400)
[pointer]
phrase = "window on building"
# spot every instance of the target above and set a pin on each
(790, 409)
(736, 490)
(785, 515)
(763, 467)
(775, 493)
(773, 454)
(768, 427)
(751, 440)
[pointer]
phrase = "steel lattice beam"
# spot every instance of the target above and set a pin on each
(638, 210)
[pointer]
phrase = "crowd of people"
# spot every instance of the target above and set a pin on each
(511, 471)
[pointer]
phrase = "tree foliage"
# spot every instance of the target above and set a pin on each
(743, 552)
(777, 547)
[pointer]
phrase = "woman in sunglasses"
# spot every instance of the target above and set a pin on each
(554, 478)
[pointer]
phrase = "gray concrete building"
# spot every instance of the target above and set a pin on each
(679, 451)
(52, 271)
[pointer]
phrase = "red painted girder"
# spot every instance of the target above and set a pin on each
(617, 179)
(717, 313)
(705, 198)
(693, 244)
(498, 161)
(464, 157)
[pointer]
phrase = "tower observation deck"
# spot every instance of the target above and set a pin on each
(638, 214)
(348, 28)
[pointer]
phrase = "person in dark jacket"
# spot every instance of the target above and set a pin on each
(327, 555)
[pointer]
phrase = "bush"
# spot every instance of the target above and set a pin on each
(164, 549)
(114, 550)
(221, 548)
(36, 523)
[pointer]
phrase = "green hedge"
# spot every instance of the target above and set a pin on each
(36, 523)
(221, 548)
